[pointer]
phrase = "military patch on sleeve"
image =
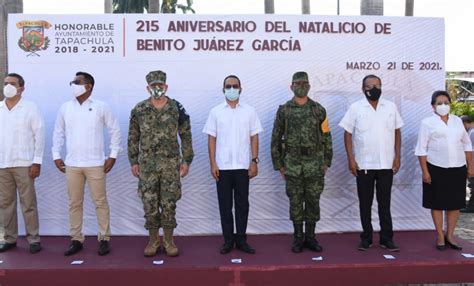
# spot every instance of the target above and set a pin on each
(183, 115)
(325, 126)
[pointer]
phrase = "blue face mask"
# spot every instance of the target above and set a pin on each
(232, 94)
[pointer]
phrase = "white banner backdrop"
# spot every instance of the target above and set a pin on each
(197, 52)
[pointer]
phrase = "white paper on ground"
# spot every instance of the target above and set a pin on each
(158, 262)
(236, 260)
(77, 262)
(388, 256)
(467, 255)
(319, 258)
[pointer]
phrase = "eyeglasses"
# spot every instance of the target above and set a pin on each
(229, 86)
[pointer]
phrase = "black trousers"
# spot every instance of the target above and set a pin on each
(233, 186)
(382, 180)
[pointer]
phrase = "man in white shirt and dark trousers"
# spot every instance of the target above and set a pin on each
(232, 129)
(81, 122)
(372, 139)
(21, 154)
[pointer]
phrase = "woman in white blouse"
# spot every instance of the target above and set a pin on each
(443, 149)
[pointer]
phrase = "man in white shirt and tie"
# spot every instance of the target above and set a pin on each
(21, 154)
(81, 122)
(372, 139)
(232, 129)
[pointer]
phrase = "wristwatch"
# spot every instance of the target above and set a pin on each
(255, 160)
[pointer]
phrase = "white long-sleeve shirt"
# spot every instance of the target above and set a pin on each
(21, 135)
(442, 143)
(82, 126)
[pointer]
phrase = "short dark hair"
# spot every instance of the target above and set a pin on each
(231, 76)
(466, 119)
(439, 93)
(370, 76)
(87, 76)
(21, 81)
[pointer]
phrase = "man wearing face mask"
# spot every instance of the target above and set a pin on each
(232, 129)
(21, 154)
(301, 148)
(155, 157)
(81, 121)
(372, 139)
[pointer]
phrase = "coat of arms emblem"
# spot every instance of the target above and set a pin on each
(33, 39)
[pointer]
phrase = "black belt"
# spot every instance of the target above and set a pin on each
(303, 151)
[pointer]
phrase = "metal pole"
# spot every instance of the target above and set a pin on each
(305, 7)
(269, 7)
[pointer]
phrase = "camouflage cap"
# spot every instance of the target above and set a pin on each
(156, 77)
(300, 76)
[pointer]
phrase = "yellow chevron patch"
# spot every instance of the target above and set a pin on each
(325, 126)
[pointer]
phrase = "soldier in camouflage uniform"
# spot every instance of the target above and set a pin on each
(154, 154)
(301, 150)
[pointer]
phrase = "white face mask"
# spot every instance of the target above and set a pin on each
(9, 91)
(232, 94)
(442, 109)
(78, 90)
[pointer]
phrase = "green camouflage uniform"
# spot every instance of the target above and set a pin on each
(307, 149)
(153, 145)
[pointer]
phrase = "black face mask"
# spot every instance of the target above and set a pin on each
(373, 94)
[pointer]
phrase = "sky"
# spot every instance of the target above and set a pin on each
(458, 14)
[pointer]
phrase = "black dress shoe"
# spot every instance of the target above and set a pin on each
(364, 245)
(6, 246)
(452, 245)
(441, 247)
(35, 247)
(226, 248)
(389, 245)
(103, 247)
(245, 247)
(73, 248)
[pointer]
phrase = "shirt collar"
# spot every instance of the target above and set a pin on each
(87, 102)
(225, 104)
(165, 107)
(19, 104)
(367, 103)
(310, 102)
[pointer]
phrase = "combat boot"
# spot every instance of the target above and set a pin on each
(168, 243)
(310, 241)
(298, 240)
(153, 244)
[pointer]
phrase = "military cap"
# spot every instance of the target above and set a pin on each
(156, 77)
(300, 76)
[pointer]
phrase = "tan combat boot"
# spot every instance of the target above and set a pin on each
(168, 243)
(153, 244)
